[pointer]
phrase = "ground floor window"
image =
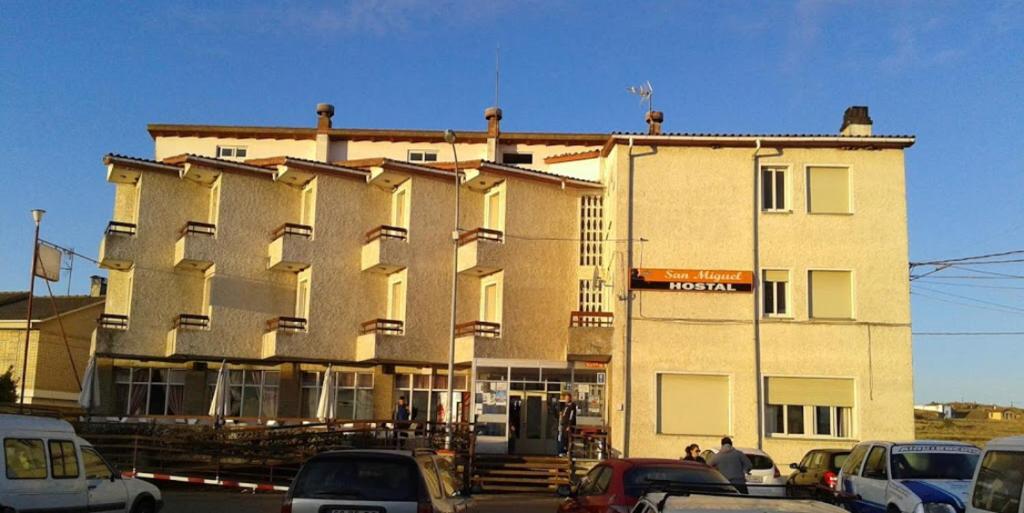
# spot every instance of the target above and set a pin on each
(818, 407)
(427, 395)
(149, 391)
(251, 393)
(353, 394)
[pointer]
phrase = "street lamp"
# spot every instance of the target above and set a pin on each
(37, 216)
(449, 137)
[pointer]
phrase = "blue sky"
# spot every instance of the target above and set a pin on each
(80, 79)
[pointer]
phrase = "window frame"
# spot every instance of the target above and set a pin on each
(303, 293)
(849, 189)
(498, 191)
(220, 152)
(317, 386)
(92, 451)
(787, 197)
(496, 280)
(788, 301)
(63, 446)
(506, 154)
(402, 194)
(983, 483)
(423, 153)
(885, 463)
(46, 459)
(810, 294)
(147, 382)
(810, 417)
(400, 279)
(244, 387)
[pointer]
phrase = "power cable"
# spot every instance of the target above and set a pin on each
(970, 305)
(966, 333)
(965, 259)
(950, 294)
(931, 281)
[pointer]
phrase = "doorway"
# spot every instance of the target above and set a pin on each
(533, 422)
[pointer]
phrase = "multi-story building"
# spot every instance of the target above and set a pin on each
(682, 286)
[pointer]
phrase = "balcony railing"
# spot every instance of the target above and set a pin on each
(302, 230)
(287, 324)
(382, 327)
(119, 228)
(387, 231)
(112, 321)
(198, 228)
(192, 322)
(484, 234)
(591, 319)
(478, 329)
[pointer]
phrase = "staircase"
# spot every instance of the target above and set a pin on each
(520, 474)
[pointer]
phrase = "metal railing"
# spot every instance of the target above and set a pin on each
(287, 324)
(192, 322)
(591, 319)
(112, 321)
(382, 327)
(387, 231)
(478, 329)
(120, 228)
(301, 230)
(484, 234)
(198, 228)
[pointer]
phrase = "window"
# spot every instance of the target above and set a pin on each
(302, 296)
(596, 481)
(828, 190)
(876, 465)
(63, 459)
(207, 290)
(517, 158)
(214, 214)
(149, 391)
(494, 208)
(396, 295)
(775, 293)
(490, 298)
(591, 230)
(353, 394)
(308, 209)
(232, 152)
(1000, 481)
(422, 156)
(400, 206)
(251, 393)
(852, 464)
(427, 395)
(831, 294)
(773, 189)
(95, 466)
(449, 476)
(693, 404)
(809, 406)
(25, 458)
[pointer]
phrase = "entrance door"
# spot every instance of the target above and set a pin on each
(537, 426)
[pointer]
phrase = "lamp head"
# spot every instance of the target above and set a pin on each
(449, 136)
(37, 215)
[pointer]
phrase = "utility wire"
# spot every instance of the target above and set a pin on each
(950, 294)
(970, 305)
(930, 281)
(966, 333)
(966, 259)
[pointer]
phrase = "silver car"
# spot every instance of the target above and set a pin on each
(371, 481)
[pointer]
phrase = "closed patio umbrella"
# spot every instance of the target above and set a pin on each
(89, 397)
(219, 404)
(326, 409)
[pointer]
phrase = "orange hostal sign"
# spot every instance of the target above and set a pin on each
(692, 280)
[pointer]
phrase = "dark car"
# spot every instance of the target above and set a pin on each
(817, 473)
(614, 486)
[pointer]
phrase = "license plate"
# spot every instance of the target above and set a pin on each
(755, 479)
(343, 509)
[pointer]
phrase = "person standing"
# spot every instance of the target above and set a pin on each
(733, 465)
(566, 421)
(401, 410)
(693, 454)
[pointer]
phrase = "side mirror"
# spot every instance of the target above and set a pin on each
(794, 466)
(565, 490)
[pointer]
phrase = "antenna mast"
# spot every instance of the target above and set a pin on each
(645, 92)
(497, 73)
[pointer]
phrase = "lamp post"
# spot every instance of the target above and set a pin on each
(37, 216)
(449, 137)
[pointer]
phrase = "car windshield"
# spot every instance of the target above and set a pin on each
(838, 460)
(705, 479)
(933, 465)
(359, 478)
(761, 462)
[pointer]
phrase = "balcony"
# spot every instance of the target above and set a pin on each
(109, 332)
(195, 246)
(285, 338)
(385, 250)
(383, 340)
(590, 336)
(477, 339)
(118, 246)
(189, 336)
(291, 249)
(114, 322)
(481, 251)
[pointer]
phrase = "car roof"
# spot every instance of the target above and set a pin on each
(740, 503)
(1009, 442)
(889, 443)
(831, 451)
(370, 452)
(12, 422)
(644, 462)
(744, 450)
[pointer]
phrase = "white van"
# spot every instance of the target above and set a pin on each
(998, 485)
(48, 468)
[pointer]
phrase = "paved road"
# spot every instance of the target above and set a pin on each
(179, 500)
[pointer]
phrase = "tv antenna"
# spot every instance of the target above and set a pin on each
(497, 73)
(646, 93)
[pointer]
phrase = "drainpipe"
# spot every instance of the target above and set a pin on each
(757, 303)
(629, 310)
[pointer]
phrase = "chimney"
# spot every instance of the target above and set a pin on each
(324, 113)
(97, 286)
(856, 122)
(654, 119)
(493, 117)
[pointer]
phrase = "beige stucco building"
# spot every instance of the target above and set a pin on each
(280, 251)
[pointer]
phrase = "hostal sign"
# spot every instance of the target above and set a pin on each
(695, 280)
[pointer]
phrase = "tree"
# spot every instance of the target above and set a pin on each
(8, 386)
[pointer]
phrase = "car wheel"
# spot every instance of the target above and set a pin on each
(892, 509)
(144, 506)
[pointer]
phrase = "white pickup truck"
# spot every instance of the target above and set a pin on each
(998, 485)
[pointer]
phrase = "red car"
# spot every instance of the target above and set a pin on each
(614, 486)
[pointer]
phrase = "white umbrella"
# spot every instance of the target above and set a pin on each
(219, 404)
(89, 397)
(325, 409)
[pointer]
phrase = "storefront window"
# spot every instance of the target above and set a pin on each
(427, 395)
(149, 391)
(353, 394)
(251, 393)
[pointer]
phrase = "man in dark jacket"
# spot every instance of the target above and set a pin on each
(566, 421)
(733, 465)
